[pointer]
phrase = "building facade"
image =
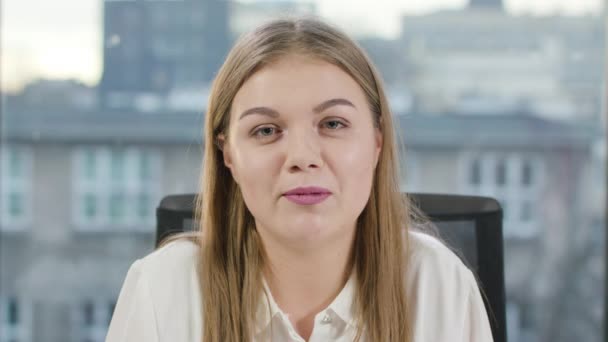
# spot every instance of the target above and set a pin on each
(151, 47)
(83, 187)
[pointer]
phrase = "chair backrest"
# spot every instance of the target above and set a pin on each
(470, 225)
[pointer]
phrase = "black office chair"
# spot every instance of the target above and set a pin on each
(471, 225)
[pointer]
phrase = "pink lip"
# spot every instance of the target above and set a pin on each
(307, 195)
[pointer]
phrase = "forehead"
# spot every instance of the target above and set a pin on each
(297, 80)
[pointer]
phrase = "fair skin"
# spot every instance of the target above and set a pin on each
(315, 129)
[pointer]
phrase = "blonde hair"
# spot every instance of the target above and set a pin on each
(232, 257)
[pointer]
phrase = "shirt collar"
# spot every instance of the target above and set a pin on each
(267, 308)
(342, 305)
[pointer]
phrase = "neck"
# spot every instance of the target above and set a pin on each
(304, 282)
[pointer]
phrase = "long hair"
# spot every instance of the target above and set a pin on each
(232, 258)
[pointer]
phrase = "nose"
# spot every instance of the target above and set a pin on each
(303, 151)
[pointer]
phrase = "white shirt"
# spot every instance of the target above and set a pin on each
(160, 301)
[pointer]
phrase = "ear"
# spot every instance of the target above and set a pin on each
(223, 146)
(378, 139)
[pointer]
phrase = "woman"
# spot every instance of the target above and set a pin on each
(303, 233)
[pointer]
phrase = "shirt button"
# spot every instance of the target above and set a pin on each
(326, 319)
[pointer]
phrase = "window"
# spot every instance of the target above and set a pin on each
(115, 187)
(508, 178)
(15, 319)
(91, 318)
(410, 172)
(526, 211)
(117, 157)
(15, 187)
(475, 178)
(526, 177)
(13, 312)
(88, 313)
(89, 164)
(501, 173)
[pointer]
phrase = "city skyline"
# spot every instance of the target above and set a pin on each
(63, 39)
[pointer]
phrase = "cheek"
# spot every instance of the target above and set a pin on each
(355, 161)
(354, 169)
(257, 171)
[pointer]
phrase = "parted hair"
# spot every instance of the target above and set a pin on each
(232, 255)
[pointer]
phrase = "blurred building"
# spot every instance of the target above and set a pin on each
(245, 16)
(79, 184)
(77, 207)
(484, 60)
(538, 170)
(151, 47)
(79, 193)
(56, 94)
(486, 4)
(162, 55)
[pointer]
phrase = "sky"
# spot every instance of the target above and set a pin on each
(62, 38)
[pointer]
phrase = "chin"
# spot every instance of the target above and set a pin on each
(307, 232)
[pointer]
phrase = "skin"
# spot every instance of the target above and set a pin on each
(316, 130)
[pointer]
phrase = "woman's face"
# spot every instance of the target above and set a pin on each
(301, 122)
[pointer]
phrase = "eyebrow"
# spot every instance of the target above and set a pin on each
(317, 109)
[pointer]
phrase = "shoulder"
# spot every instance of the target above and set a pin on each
(433, 269)
(160, 300)
(172, 257)
(442, 289)
(172, 266)
(428, 253)
(171, 275)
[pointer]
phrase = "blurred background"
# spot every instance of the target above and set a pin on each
(102, 108)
